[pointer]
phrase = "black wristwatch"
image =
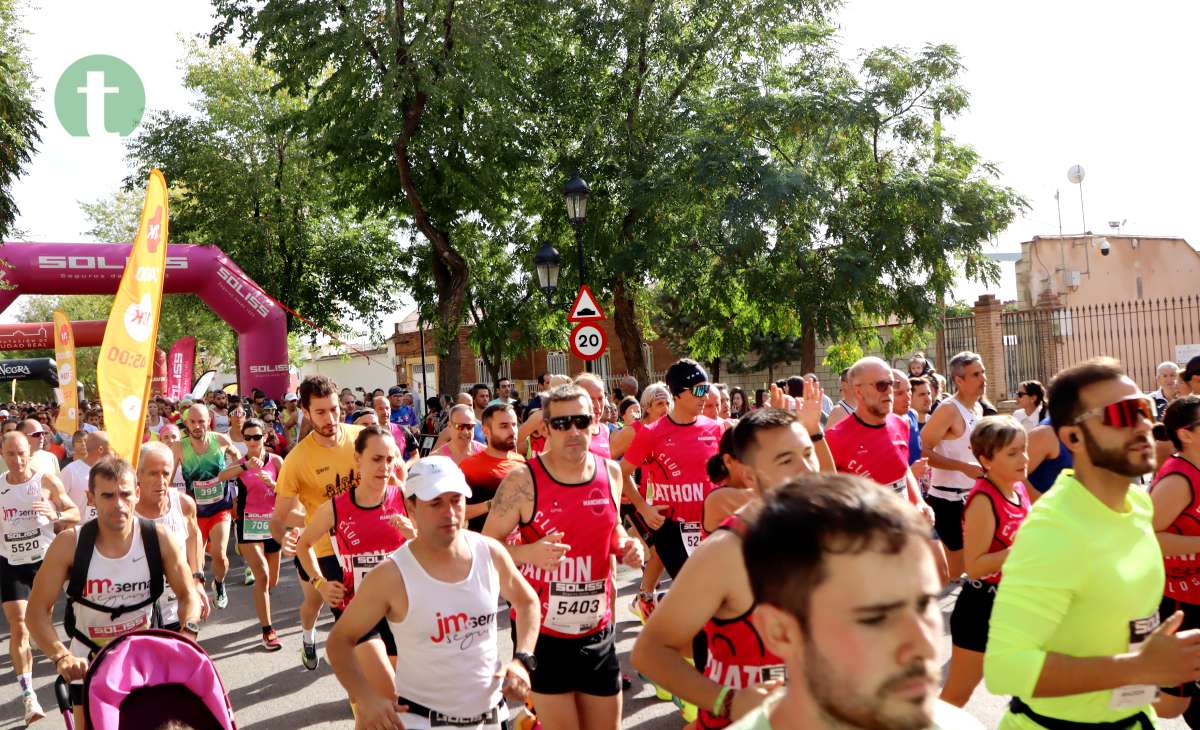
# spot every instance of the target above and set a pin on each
(198, 575)
(192, 628)
(529, 660)
(819, 435)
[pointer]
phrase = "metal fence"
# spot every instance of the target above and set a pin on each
(958, 335)
(1024, 355)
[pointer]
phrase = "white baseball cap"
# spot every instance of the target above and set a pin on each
(434, 476)
(290, 396)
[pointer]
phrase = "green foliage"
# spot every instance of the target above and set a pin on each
(20, 121)
(247, 179)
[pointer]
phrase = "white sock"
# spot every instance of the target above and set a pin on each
(26, 682)
(310, 635)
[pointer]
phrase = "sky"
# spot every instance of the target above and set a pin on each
(1052, 84)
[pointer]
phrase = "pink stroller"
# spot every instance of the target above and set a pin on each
(147, 678)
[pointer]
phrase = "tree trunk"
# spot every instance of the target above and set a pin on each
(808, 347)
(714, 368)
(628, 331)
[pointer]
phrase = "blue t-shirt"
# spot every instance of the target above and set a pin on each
(407, 416)
(914, 437)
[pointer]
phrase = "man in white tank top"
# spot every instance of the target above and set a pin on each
(946, 440)
(32, 505)
(439, 593)
(117, 576)
(161, 502)
(75, 476)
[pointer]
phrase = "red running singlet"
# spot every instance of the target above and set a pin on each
(1008, 516)
(577, 596)
(364, 535)
(674, 460)
(736, 655)
(1183, 571)
(879, 453)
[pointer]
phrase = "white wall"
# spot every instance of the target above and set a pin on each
(354, 371)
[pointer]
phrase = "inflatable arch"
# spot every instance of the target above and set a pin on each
(96, 268)
(38, 368)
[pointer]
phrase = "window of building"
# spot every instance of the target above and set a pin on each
(482, 375)
(556, 363)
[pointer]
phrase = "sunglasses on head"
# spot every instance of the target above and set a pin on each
(564, 423)
(464, 426)
(701, 391)
(254, 437)
(1125, 413)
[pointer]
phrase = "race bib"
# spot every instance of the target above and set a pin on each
(574, 608)
(777, 671)
(360, 565)
(1136, 695)
(105, 633)
(24, 547)
(256, 527)
(208, 491)
(690, 532)
(442, 721)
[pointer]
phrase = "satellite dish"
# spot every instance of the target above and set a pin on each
(1075, 174)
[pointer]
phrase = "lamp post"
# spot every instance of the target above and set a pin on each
(575, 193)
(548, 263)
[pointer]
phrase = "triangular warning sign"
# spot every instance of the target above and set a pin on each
(585, 307)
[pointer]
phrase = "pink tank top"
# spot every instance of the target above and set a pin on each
(577, 596)
(600, 446)
(674, 462)
(1008, 516)
(364, 535)
(879, 453)
(260, 500)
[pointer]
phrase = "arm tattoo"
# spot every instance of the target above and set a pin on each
(514, 492)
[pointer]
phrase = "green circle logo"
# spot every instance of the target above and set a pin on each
(99, 96)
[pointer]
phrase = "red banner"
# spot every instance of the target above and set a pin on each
(180, 361)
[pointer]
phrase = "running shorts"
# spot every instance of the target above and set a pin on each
(207, 523)
(668, 543)
(972, 612)
(270, 545)
(585, 664)
(16, 580)
(947, 520)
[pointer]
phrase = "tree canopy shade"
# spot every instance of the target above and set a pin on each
(20, 121)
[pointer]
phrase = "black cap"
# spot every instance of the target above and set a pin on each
(395, 390)
(683, 375)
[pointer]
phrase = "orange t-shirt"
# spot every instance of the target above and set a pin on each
(484, 473)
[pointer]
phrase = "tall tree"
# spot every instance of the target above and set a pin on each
(247, 179)
(20, 121)
(425, 109)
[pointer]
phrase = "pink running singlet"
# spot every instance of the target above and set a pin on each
(879, 453)
(364, 535)
(1008, 516)
(674, 461)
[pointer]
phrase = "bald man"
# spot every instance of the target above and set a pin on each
(43, 461)
(209, 461)
(75, 476)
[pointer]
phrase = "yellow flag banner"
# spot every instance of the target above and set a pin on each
(126, 361)
(64, 356)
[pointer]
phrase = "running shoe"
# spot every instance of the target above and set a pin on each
(644, 605)
(222, 599)
(270, 640)
(249, 577)
(686, 709)
(33, 710)
(659, 692)
(308, 655)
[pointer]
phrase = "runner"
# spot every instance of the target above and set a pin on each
(1081, 642)
(159, 502)
(921, 400)
(565, 504)
(439, 594)
(709, 606)
(484, 471)
(170, 435)
(846, 404)
(32, 507)
(237, 417)
(111, 591)
(594, 386)
(996, 506)
(320, 467)
(1048, 456)
(255, 505)
(1176, 497)
(75, 475)
(40, 460)
(368, 522)
(462, 443)
(208, 460)
(219, 412)
(847, 598)
(946, 441)
(673, 453)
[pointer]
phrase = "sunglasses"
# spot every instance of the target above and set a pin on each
(255, 437)
(881, 386)
(36, 434)
(464, 426)
(1124, 413)
(701, 391)
(1021, 393)
(564, 423)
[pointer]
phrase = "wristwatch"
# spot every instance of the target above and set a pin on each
(192, 628)
(529, 660)
(198, 575)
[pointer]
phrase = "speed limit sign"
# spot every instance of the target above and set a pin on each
(588, 341)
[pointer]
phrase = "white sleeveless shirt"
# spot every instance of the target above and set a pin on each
(27, 535)
(176, 524)
(114, 582)
(448, 636)
(958, 449)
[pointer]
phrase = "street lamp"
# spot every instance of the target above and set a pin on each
(548, 263)
(575, 192)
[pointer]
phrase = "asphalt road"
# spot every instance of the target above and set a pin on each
(272, 690)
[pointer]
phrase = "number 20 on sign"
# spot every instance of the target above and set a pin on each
(588, 341)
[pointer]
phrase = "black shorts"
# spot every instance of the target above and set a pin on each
(1191, 620)
(586, 664)
(330, 567)
(381, 629)
(947, 520)
(16, 580)
(668, 543)
(972, 612)
(270, 545)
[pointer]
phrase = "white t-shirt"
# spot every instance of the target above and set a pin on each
(75, 479)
